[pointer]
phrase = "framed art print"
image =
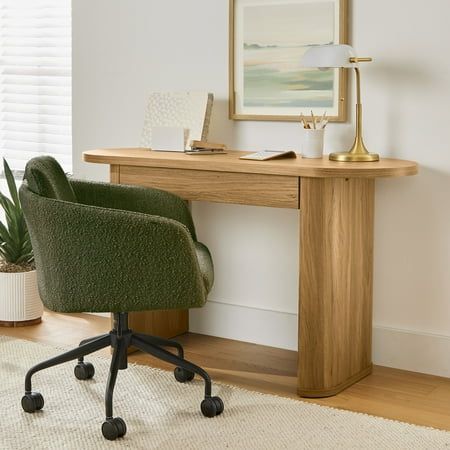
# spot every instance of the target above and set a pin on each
(267, 41)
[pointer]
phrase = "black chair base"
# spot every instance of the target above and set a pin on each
(120, 338)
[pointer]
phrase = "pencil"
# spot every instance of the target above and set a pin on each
(305, 123)
(323, 119)
(313, 120)
(303, 120)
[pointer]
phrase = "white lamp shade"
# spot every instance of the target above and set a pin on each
(325, 56)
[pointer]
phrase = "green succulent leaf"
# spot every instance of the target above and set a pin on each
(11, 183)
(5, 237)
(7, 205)
(15, 243)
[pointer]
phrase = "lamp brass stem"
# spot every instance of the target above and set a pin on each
(358, 152)
(358, 86)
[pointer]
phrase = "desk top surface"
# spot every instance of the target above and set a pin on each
(230, 162)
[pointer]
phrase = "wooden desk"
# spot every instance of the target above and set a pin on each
(336, 202)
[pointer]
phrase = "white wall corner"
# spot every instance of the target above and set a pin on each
(259, 326)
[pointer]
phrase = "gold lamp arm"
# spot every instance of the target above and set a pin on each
(355, 60)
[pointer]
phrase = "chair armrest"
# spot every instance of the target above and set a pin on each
(98, 259)
(134, 198)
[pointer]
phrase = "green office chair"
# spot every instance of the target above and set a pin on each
(109, 248)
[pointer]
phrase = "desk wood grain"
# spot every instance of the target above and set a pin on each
(230, 162)
(224, 187)
(335, 301)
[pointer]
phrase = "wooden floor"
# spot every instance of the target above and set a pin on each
(396, 394)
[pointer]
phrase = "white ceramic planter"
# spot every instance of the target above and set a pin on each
(19, 298)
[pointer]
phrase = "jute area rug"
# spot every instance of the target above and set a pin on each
(163, 414)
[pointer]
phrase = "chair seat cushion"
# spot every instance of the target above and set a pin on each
(206, 264)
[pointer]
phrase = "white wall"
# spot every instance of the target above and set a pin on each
(124, 49)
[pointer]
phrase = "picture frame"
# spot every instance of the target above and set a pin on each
(267, 40)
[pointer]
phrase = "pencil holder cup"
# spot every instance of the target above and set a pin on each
(312, 143)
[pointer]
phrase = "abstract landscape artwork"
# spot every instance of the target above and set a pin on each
(267, 41)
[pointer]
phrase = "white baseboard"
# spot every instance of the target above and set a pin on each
(412, 350)
(401, 349)
(259, 326)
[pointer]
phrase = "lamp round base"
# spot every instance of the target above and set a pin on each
(351, 157)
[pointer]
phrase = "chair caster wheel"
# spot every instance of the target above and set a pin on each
(114, 428)
(183, 375)
(32, 402)
(84, 371)
(212, 406)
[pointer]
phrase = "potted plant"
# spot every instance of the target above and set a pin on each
(20, 303)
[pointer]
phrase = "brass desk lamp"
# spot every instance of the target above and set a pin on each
(327, 56)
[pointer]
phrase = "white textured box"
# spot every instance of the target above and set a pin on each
(188, 110)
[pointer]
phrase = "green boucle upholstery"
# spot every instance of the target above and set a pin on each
(205, 263)
(134, 198)
(47, 178)
(98, 255)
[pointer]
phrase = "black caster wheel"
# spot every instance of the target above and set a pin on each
(114, 428)
(32, 402)
(212, 406)
(183, 375)
(84, 371)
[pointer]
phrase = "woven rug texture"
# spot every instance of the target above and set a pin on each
(163, 414)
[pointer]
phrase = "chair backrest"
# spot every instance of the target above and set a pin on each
(46, 177)
(98, 259)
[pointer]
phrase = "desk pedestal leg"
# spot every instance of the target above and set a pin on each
(335, 305)
(164, 323)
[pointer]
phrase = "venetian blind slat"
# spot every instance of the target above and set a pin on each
(35, 81)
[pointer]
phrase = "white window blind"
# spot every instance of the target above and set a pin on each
(35, 81)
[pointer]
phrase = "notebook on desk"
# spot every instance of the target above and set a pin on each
(265, 155)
